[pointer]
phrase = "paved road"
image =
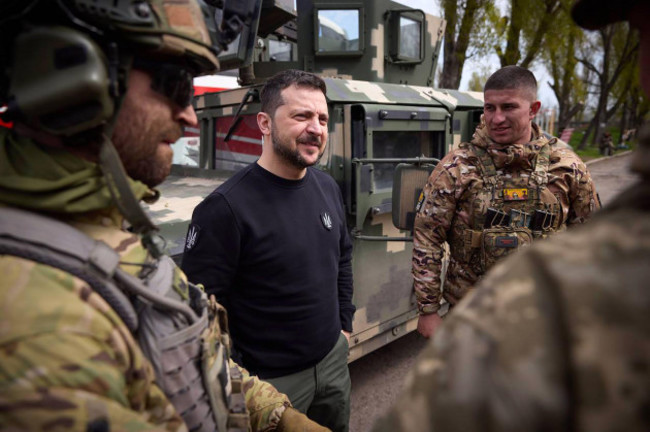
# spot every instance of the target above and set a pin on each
(611, 175)
(377, 378)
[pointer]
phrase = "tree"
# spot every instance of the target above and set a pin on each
(478, 79)
(638, 108)
(559, 53)
(608, 53)
(628, 90)
(463, 30)
(525, 27)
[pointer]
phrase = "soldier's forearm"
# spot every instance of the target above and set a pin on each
(264, 402)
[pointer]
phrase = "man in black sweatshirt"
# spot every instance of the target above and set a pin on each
(272, 245)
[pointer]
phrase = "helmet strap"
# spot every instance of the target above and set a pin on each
(115, 175)
(123, 197)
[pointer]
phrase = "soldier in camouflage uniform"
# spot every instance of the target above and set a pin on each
(556, 338)
(68, 359)
(489, 197)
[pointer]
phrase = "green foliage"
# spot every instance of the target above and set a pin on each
(523, 31)
(483, 36)
(465, 36)
(592, 151)
(580, 63)
(610, 55)
(478, 79)
(559, 54)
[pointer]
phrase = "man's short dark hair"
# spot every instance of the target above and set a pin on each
(271, 97)
(512, 77)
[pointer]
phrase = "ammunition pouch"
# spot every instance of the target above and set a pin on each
(498, 242)
(490, 245)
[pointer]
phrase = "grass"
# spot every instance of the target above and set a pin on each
(592, 151)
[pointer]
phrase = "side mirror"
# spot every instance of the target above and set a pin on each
(408, 182)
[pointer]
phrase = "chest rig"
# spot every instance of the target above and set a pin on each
(182, 332)
(509, 211)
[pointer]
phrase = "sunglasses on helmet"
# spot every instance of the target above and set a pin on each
(170, 80)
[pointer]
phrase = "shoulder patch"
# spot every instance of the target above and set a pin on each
(418, 205)
(192, 236)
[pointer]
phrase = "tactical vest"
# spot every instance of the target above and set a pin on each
(508, 213)
(182, 333)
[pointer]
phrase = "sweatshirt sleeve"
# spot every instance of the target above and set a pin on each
(212, 247)
(345, 279)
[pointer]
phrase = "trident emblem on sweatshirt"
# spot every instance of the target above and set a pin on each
(327, 220)
(192, 236)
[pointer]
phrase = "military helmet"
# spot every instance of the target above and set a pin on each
(165, 28)
(68, 59)
(594, 14)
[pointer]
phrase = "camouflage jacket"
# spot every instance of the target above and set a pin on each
(556, 338)
(66, 358)
(457, 198)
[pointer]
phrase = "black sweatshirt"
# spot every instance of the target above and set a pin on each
(277, 254)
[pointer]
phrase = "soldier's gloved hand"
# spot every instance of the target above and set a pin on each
(293, 420)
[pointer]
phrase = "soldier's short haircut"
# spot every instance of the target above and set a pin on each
(512, 77)
(271, 96)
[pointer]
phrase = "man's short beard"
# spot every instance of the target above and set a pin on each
(292, 156)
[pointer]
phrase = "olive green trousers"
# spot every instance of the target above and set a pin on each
(322, 392)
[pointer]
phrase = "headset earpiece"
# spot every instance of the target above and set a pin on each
(62, 86)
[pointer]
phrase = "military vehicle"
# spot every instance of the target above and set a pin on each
(378, 59)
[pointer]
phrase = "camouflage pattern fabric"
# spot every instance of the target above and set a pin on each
(554, 338)
(66, 359)
(455, 197)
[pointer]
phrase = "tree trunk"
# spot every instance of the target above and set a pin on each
(563, 65)
(566, 114)
(548, 16)
(613, 63)
(456, 41)
(583, 141)
(512, 54)
(622, 126)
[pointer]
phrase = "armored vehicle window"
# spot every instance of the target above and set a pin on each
(409, 39)
(338, 31)
(398, 144)
(406, 35)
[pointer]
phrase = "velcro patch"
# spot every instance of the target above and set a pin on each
(520, 194)
(418, 205)
(506, 242)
